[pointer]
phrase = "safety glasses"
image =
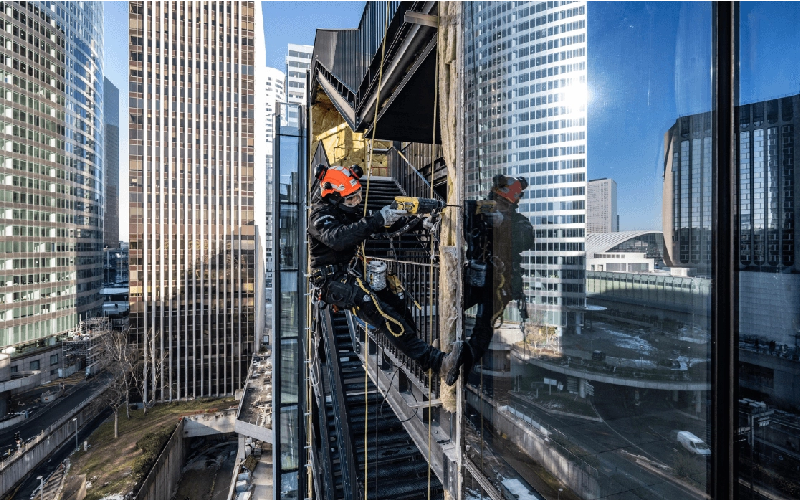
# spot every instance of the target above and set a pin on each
(353, 199)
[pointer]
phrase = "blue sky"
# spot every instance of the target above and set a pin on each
(648, 62)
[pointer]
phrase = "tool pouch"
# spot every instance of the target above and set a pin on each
(341, 294)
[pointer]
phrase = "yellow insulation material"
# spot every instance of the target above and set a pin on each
(342, 145)
(448, 46)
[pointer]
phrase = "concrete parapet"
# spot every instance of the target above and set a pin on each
(27, 380)
(12, 421)
(162, 480)
(533, 439)
(264, 434)
(206, 424)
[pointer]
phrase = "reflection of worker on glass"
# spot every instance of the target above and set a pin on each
(496, 235)
(337, 228)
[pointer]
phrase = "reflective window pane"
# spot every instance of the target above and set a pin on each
(768, 444)
(587, 287)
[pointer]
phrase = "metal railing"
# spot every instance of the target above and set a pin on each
(346, 450)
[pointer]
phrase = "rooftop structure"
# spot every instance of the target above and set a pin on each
(626, 251)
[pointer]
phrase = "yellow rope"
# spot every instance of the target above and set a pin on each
(387, 317)
(363, 253)
(499, 299)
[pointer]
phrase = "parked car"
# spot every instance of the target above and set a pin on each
(693, 444)
(598, 356)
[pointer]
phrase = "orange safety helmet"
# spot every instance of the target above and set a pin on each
(509, 188)
(338, 180)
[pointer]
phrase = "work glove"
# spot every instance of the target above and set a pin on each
(390, 215)
(431, 223)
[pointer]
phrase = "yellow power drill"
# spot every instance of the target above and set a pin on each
(417, 206)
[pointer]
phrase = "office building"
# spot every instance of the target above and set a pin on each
(196, 157)
(51, 168)
(768, 257)
(298, 60)
(275, 94)
(526, 88)
(601, 206)
(686, 214)
(111, 141)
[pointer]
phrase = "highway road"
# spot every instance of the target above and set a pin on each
(30, 484)
(39, 422)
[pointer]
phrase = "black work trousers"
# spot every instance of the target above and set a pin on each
(491, 299)
(386, 312)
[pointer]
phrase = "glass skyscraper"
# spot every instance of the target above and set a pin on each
(111, 141)
(51, 167)
(526, 102)
(195, 137)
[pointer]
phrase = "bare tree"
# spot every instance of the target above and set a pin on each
(147, 370)
(120, 359)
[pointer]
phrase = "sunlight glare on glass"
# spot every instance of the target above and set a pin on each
(575, 97)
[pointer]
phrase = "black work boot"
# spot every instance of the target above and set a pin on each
(452, 362)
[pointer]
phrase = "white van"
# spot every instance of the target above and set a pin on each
(693, 443)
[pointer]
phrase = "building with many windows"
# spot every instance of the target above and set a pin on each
(51, 168)
(527, 92)
(601, 206)
(768, 256)
(111, 142)
(196, 157)
(686, 214)
(275, 94)
(298, 60)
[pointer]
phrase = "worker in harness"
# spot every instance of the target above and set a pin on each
(337, 228)
(496, 235)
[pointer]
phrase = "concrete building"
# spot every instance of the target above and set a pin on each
(601, 206)
(298, 60)
(276, 93)
(769, 259)
(527, 89)
(51, 167)
(111, 141)
(196, 180)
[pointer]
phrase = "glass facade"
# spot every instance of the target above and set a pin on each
(51, 167)
(689, 231)
(667, 379)
(111, 235)
(526, 97)
(290, 290)
(193, 248)
(768, 409)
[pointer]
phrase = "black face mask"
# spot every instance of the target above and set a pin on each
(349, 210)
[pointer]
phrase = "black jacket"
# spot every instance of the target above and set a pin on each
(336, 234)
(500, 244)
